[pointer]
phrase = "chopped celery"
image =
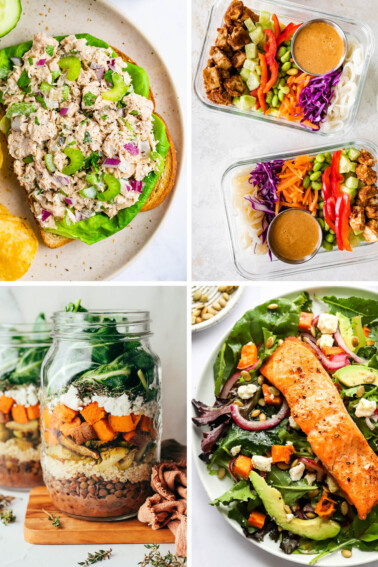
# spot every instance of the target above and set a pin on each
(72, 65)
(346, 165)
(76, 161)
(45, 88)
(264, 18)
(49, 161)
(250, 65)
(118, 91)
(113, 188)
(247, 102)
(88, 192)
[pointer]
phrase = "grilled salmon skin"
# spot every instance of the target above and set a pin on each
(319, 411)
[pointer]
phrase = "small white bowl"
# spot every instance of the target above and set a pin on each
(215, 295)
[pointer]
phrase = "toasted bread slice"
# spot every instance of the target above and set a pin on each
(159, 193)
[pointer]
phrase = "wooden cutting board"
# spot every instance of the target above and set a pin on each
(38, 529)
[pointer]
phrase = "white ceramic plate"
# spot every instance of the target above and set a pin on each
(232, 302)
(215, 487)
(77, 261)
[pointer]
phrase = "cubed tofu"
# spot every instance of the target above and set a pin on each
(211, 78)
(357, 218)
(328, 323)
(220, 59)
(371, 231)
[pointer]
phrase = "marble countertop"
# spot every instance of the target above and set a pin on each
(164, 258)
(219, 139)
(223, 544)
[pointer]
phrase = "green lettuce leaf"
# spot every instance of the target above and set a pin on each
(290, 490)
(352, 306)
(241, 491)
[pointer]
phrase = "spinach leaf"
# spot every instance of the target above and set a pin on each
(352, 306)
(241, 491)
(298, 439)
(290, 490)
(24, 82)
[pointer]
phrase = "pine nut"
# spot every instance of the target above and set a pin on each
(221, 473)
(216, 306)
(207, 316)
(272, 306)
(222, 288)
(196, 312)
(360, 391)
(310, 515)
(222, 302)
(255, 413)
(193, 320)
(270, 342)
(262, 402)
(260, 380)
(344, 508)
(212, 311)
(203, 298)
(198, 320)
(346, 553)
(225, 296)
(204, 310)
(197, 295)
(262, 417)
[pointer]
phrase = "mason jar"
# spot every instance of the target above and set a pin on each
(22, 350)
(101, 415)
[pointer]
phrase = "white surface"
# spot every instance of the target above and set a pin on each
(228, 547)
(220, 139)
(168, 313)
(165, 256)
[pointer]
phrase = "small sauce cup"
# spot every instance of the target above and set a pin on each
(302, 30)
(301, 226)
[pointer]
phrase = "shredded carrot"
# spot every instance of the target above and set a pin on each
(290, 105)
(290, 187)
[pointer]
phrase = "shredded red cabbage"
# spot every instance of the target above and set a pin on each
(316, 98)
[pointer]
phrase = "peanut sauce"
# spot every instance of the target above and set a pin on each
(318, 48)
(294, 235)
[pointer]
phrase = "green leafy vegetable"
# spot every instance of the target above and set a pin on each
(50, 50)
(24, 82)
(352, 306)
(89, 99)
(290, 490)
(241, 491)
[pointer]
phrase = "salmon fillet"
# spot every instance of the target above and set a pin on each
(319, 411)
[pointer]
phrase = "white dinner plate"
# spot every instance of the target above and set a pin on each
(214, 487)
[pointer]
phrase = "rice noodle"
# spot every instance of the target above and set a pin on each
(346, 89)
(251, 222)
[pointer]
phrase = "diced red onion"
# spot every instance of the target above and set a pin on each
(38, 93)
(112, 162)
(231, 469)
(111, 64)
(62, 179)
(16, 123)
(63, 111)
(45, 215)
(17, 61)
(329, 365)
(100, 72)
(311, 465)
(340, 341)
(78, 216)
(315, 321)
(258, 425)
(132, 148)
(41, 62)
(68, 201)
(136, 185)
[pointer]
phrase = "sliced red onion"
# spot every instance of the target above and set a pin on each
(370, 425)
(63, 180)
(16, 123)
(258, 425)
(111, 64)
(312, 465)
(112, 162)
(78, 216)
(68, 201)
(45, 215)
(136, 185)
(329, 365)
(231, 469)
(41, 62)
(340, 341)
(233, 379)
(132, 148)
(17, 61)
(63, 111)
(100, 72)
(315, 321)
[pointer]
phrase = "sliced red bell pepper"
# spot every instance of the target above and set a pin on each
(335, 174)
(326, 184)
(263, 81)
(273, 67)
(287, 33)
(339, 210)
(329, 213)
(261, 99)
(270, 46)
(345, 222)
(277, 27)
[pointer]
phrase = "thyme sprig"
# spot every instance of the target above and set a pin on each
(155, 559)
(6, 515)
(55, 520)
(97, 556)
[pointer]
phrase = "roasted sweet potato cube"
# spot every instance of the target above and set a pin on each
(50, 438)
(67, 428)
(92, 413)
(122, 424)
(49, 420)
(19, 413)
(6, 403)
(33, 411)
(64, 413)
(104, 430)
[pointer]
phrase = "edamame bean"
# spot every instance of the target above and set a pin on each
(286, 66)
(281, 83)
(330, 237)
(327, 245)
(317, 166)
(275, 101)
(316, 175)
(269, 97)
(281, 96)
(321, 214)
(275, 86)
(326, 227)
(331, 231)
(328, 156)
(306, 182)
(294, 65)
(320, 158)
(285, 90)
(287, 43)
(316, 185)
(321, 222)
(286, 57)
(281, 52)
(321, 205)
(292, 72)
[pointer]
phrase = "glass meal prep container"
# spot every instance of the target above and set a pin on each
(100, 413)
(254, 266)
(286, 13)
(22, 350)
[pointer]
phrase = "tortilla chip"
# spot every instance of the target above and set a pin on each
(18, 246)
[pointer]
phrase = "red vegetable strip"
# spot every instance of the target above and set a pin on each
(277, 28)
(263, 81)
(345, 223)
(287, 33)
(335, 173)
(339, 213)
(273, 66)
(329, 213)
(270, 47)
(326, 186)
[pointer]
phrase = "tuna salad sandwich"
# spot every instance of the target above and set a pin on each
(87, 146)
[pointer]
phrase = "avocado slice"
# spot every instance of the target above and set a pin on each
(356, 374)
(346, 330)
(317, 528)
(359, 332)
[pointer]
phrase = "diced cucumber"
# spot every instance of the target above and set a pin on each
(249, 25)
(250, 64)
(244, 73)
(349, 191)
(247, 102)
(346, 165)
(258, 35)
(353, 154)
(236, 101)
(273, 112)
(10, 13)
(264, 18)
(253, 81)
(352, 182)
(251, 51)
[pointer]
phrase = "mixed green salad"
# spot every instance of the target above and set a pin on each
(281, 489)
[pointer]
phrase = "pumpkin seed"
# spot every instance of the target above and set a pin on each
(246, 375)
(262, 417)
(238, 403)
(197, 295)
(294, 463)
(260, 380)
(310, 515)
(355, 341)
(261, 402)
(272, 306)
(344, 508)
(283, 466)
(313, 493)
(346, 553)
(255, 413)
(360, 391)
(221, 473)
(270, 342)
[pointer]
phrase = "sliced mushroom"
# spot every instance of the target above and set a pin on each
(79, 449)
(28, 427)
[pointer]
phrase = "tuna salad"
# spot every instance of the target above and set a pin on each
(84, 142)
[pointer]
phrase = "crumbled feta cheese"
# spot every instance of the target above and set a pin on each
(289, 442)
(247, 391)
(332, 484)
(293, 423)
(235, 450)
(325, 341)
(262, 463)
(310, 477)
(365, 408)
(289, 517)
(328, 323)
(297, 471)
(23, 395)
